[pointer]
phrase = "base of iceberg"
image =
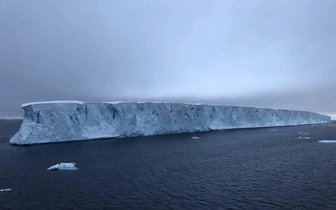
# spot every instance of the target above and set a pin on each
(59, 121)
(63, 166)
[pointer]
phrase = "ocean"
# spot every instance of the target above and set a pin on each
(263, 168)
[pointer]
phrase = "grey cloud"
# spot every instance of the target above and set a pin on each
(252, 53)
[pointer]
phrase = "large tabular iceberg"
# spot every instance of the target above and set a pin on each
(58, 121)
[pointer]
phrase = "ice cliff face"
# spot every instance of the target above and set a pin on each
(74, 120)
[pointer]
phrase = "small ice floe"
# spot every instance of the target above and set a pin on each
(302, 133)
(327, 141)
(273, 129)
(195, 137)
(63, 166)
(304, 137)
(5, 190)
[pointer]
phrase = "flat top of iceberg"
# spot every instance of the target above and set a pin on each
(52, 102)
(117, 102)
(153, 102)
(63, 102)
(139, 102)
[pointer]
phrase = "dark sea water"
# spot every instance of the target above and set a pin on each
(236, 169)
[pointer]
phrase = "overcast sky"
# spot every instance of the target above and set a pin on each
(264, 53)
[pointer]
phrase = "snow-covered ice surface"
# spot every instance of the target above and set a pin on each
(51, 102)
(327, 141)
(59, 121)
(63, 166)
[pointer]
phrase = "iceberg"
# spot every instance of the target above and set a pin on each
(59, 121)
(63, 166)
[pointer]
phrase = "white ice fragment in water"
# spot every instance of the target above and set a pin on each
(304, 137)
(4, 190)
(302, 133)
(195, 137)
(63, 166)
(273, 130)
(327, 141)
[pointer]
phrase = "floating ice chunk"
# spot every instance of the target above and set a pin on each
(304, 137)
(302, 133)
(63, 166)
(327, 141)
(273, 130)
(4, 190)
(195, 137)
